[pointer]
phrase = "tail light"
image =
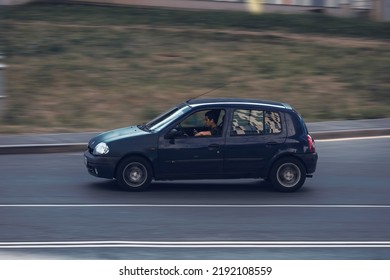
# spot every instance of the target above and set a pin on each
(312, 144)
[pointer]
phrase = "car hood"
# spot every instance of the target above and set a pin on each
(116, 134)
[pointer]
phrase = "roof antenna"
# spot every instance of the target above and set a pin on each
(207, 92)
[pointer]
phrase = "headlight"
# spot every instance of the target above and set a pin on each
(101, 149)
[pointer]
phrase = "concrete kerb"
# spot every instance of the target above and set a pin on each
(325, 135)
(78, 142)
(45, 143)
(42, 148)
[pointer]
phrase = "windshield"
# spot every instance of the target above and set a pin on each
(166, 118)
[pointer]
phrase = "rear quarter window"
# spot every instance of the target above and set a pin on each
(295, 124)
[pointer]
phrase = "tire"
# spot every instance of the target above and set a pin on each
(287, 175)
(134, 174)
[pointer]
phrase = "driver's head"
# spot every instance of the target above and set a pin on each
(210, 118)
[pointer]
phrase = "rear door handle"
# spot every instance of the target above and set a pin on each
(271, 144)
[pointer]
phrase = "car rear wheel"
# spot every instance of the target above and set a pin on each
(134, 174)
(288, 175)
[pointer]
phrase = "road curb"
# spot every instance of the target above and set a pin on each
(325, 135)
(42, 148)
(81, 147)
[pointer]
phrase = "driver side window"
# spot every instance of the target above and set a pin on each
(194, 120)
(203, 123)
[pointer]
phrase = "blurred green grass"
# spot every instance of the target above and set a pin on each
(76, 68)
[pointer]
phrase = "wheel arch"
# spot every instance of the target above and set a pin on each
(287, 174)
(280, 156)
(135, 155)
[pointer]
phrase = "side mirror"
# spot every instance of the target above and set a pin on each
(172, 134)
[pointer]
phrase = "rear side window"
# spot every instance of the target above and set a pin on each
(272, 122)
(255, 122)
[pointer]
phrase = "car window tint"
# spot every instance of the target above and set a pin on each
(255, 122)
(194, 120)
(291, 125)
(272, 122)
(247, 122)
(197, 119)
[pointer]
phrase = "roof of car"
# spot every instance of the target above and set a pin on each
(237, 101)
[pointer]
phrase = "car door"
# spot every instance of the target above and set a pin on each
(254, 136)
(184, 155)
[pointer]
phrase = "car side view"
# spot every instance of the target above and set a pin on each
(209, 139)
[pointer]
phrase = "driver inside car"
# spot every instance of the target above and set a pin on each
(210, 121)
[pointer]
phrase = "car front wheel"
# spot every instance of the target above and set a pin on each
(288, 175)
(134, 174)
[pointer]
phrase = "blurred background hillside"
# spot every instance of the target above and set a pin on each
(74, 67)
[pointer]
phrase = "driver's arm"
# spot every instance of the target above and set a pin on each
(203, 133)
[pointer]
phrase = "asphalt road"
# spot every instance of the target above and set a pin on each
(51, 208)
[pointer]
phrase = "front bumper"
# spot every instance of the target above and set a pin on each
(100, 166)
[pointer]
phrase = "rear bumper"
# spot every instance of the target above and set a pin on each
(310, 162)
(103, 167)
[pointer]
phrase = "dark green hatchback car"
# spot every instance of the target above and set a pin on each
(209, 139)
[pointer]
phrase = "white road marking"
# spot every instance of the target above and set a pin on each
(195, 244)
(255, 6)
(204, 205)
